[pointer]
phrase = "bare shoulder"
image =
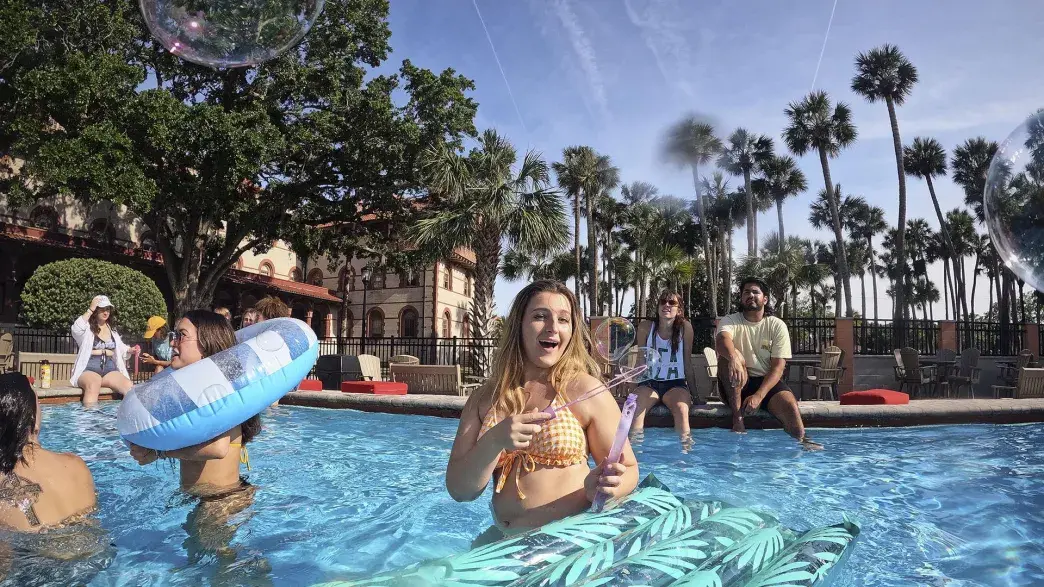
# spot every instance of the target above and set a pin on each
(598, 404)
(74, 465)
(479, 401)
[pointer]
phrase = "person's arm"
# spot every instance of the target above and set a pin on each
(82, 324)
(473, 459)
(690, 371)
(728, 352)
(207, 451)
(602, 417)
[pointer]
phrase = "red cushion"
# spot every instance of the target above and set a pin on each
(874, 397)
(310, 385)
(374, 387)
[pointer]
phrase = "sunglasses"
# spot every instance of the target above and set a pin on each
(175, 337)
(670, 303)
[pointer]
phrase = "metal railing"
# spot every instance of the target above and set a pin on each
(809, 336)
(430, 351)
(882, 337)
(993, 339)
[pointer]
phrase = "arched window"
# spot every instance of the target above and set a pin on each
(44, 217)
(465, 326)
(447, 278)
(375, 326)
(266, 268)
(101, 231)
(148, 241)
(315, 276)
(408, 323)
(447, 322)
(295, 274)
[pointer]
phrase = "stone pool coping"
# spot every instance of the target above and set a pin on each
(818, 414)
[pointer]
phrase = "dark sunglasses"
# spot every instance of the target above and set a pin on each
(175, 337)
(671, 303)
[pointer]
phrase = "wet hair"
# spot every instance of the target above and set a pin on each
(272, 307)
(17, 419)
(96, 322)
(508, 396)
(679, 320)
(214, 334)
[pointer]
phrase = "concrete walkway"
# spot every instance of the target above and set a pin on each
(816, 414)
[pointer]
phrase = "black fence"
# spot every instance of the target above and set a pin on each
(993, 339)
(882, 337)
(809, 336)
(430, 351)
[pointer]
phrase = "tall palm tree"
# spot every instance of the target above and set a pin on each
(970, 163)
(884, 73)
(814, 124)
(782, 179)
(692, 142)
(485, 203)
(743, 155)
(859, 263)
(585, 174)
(867, 222)
(926, 158)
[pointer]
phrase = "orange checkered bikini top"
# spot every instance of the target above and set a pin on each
(560, 442)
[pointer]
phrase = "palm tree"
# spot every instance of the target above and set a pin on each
(782, 179)
(971, 163)
(484, 203)
(815, 125)
(744, 154)
(583, 173)
(867, 222)
(925, 159)
(692, 142)
(859, 263)
(884, 73)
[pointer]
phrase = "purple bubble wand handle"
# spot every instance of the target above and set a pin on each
(627, 375)
(626, 417)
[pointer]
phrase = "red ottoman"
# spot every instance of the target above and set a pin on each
(374, 387)
(310, 385)
(874, 397)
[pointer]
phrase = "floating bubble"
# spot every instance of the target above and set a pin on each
(613, 337)
(1014, 201)
(641, 357)
(229, 33)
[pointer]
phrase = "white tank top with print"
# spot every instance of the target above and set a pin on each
(672, 365)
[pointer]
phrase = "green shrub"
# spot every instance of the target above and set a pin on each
(59, 292)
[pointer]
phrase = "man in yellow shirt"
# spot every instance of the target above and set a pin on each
(752, 353)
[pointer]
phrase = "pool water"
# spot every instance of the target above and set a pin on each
(343, 494)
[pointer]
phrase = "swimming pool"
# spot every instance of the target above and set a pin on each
(345, 494)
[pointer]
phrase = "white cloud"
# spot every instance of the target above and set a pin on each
(584, 52)
(963, 117)
(665, 31)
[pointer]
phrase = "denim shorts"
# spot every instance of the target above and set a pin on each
(101, 365)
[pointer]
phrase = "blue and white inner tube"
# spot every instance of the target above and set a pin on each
(192, 405)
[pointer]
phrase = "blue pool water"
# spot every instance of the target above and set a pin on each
(343, 494)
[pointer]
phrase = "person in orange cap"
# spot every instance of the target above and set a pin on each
(157, 332)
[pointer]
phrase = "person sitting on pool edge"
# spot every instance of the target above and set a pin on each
(539, 466)
(753, 348)
(100, 352)
(671, 336)
(38, 488)
(210, 468)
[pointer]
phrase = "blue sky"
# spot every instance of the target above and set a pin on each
(613, 74)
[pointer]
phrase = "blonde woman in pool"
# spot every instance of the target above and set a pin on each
(538, 464)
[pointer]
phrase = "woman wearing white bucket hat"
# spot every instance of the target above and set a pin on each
(99, 361)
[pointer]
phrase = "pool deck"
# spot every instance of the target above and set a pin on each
(816, 414)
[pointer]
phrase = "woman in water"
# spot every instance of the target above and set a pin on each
(38, 488)
(539, 466)
(671, 338)
(210, 468)
(100, 359)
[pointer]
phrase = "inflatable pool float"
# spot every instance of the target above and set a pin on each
(647, 538)
(176, 409)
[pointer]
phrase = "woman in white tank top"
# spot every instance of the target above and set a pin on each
(671, 336)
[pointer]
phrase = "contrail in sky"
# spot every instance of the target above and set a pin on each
(502, 74)
(821, 51)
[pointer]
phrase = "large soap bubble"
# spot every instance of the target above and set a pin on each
(229, 33)
(1014, 201)
(613, 337)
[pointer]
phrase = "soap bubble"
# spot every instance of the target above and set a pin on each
(1014, 201)
(229, 33)
(639, 357)
(613, 337)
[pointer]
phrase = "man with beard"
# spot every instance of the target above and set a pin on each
(753, 349)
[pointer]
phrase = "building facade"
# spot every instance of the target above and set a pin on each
(433, 300)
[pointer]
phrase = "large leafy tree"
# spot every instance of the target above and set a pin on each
(218, 162)
(817, 125)
(744, 153)
(885, 74)
(586, 175)
(483, 201)
(691, 142)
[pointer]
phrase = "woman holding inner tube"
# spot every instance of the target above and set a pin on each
(211, 467)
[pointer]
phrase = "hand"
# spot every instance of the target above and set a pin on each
(751, 404)
(143, 455)
(738, 370)
(147, 359)
(94, 303)
(605, 478)
(517, 431)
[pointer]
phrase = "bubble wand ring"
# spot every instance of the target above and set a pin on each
(631, 374)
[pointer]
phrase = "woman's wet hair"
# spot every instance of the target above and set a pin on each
(17, 419)
(214, 334)
(679, 319)
(272, 307)
(96, 322)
